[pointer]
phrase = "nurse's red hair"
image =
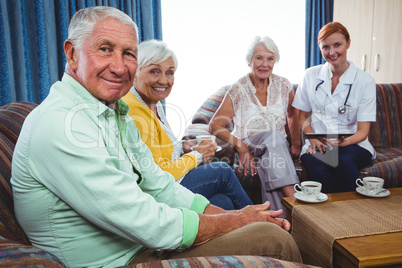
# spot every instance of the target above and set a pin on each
(330, 28)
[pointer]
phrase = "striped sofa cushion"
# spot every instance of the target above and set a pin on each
(390, 170)
(12, 117)
(220, 261)
(6, 153)
(209, 107)
(18, 255)
(387, 131)
(387, 165)
(9, 227)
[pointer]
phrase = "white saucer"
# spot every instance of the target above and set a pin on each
(218, 148)
(303, 198)
(361, 191)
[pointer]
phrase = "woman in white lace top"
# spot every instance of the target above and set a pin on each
(259, 104)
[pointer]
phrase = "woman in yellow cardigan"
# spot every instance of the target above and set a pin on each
(153, 83)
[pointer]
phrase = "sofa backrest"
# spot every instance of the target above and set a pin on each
(209, 107)
(385, 132)
(12, 117)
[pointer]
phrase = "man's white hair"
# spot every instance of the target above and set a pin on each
(84, 21)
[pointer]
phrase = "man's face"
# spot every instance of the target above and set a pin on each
(107, 61)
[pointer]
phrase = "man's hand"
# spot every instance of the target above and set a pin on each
(264, 215)
(214, 225)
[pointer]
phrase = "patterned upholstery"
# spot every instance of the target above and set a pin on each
(385, 135)
(387, 132)
(12, 116)
(14, 254)
(219, 261)
(209, 107)
(15, 248)
(388, 165)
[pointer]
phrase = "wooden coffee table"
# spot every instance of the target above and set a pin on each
(366, 251)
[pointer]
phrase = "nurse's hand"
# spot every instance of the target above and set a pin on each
(315, 146)
(328, 142)
(341, 142)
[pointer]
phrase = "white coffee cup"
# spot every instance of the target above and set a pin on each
(310, 189)
(371, 185)
(200, 138)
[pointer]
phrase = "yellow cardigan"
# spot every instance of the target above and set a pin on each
(157, 140)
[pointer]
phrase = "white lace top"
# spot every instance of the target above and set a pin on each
(250, 116)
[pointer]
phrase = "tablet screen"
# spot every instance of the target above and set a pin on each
(325, 135)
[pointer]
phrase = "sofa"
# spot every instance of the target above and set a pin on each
(385, 135)
(15, 247)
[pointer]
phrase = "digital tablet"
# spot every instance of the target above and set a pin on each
(325, 135)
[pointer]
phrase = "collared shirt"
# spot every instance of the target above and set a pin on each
(87, 189)
(251, 117)
(314, 95)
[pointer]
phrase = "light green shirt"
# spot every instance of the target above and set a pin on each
(76, 193)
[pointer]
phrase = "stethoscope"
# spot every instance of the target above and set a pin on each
(341, 109)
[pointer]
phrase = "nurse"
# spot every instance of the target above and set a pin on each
(336, 98)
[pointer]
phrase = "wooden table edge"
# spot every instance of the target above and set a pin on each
(338, 249)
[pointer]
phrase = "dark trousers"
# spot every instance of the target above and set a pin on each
(337, 169)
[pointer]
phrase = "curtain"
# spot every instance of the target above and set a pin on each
(32, 33)
(318, 13)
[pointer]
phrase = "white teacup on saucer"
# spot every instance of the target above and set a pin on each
(200, 138)
(309, 189)
(371, 185)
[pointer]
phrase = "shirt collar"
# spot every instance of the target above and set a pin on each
(80, 95)
(348, 77)
(159, 106)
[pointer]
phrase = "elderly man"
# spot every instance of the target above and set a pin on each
(85, 186)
